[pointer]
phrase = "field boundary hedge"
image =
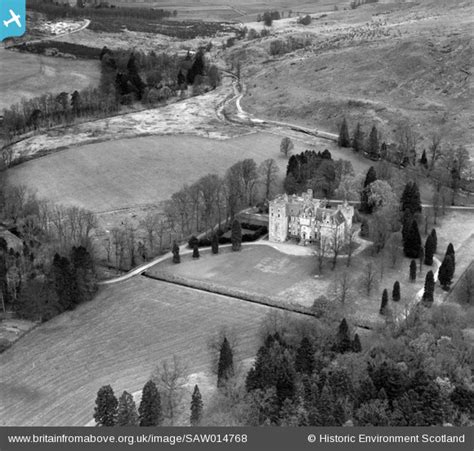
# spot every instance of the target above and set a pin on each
(242, 295)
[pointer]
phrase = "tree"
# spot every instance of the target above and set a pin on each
(196, 407)
(370, 177)
(304, 360)
(396, 291)
(170, 379)
(406, 144)
(344, 140)
(105, 412)
(127, 411)
(225, 367)
(150, 406)
(236, 235)
(356, 345)
(268, 172)
(446, 272)
(343, 340)
(435, 240)
(215, 243)
(450, 251)
(358, 139)
(412, 242)
(373, 145)
(429, 250)
(383, 305)
(424, 160)
(286, 146)
(195, 251)
(429, 287)
(369, 277)
(410, 199)
(176, 257)
(413, 270)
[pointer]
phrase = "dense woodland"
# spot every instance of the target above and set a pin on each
(53, 267)
(316, 372)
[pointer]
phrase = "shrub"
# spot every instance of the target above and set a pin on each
(306, 20)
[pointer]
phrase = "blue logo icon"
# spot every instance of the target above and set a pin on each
(12, 18)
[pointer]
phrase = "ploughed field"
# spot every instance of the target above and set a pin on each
(128, 173)
(51, 376)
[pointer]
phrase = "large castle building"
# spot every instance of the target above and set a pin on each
(308, 220)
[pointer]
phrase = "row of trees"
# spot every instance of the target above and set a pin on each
(447, 166)
(213, 199)
(162, 395)
(125, 78)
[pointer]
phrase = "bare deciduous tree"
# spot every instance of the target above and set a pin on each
(369, 278)
(268, 171)
(171, 378)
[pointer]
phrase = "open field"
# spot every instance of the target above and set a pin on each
(141, 171)
(25, 75)
(51, 376)
(378, 64)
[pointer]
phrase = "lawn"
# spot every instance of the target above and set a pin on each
(256, 269)
(24, 75)
(128, 173)
(51, 375)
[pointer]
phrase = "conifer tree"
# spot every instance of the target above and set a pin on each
(225, 367)
(195, 251)
(396, 291)
(373, 146)
(215, 243)
(150, 413)
(446, 272)
(370, 177)
(304, 361)
(343, 140)
(176, 256)
(410, 199)
(435, 240)
(343, 340)
(384, 303)
(196, 407)
(412, 243)
(356, 345)
(450, 251)
(413, 270)
(127, 411)
(236, 235)
(105, 412)
(358, 139)
(429, 250)
(423, 159)
(428, 294)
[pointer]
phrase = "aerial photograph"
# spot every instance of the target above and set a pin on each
(236, 213)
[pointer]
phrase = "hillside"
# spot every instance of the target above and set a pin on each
(379, 64)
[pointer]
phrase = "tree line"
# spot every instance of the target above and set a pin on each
(214, 199)
(125, 77)
(447, 166)
(54, 268)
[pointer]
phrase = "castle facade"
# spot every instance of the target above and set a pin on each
(308, 220)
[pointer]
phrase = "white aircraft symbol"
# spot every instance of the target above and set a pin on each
(15, 18)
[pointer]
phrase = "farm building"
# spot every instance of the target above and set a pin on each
(308, 220)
